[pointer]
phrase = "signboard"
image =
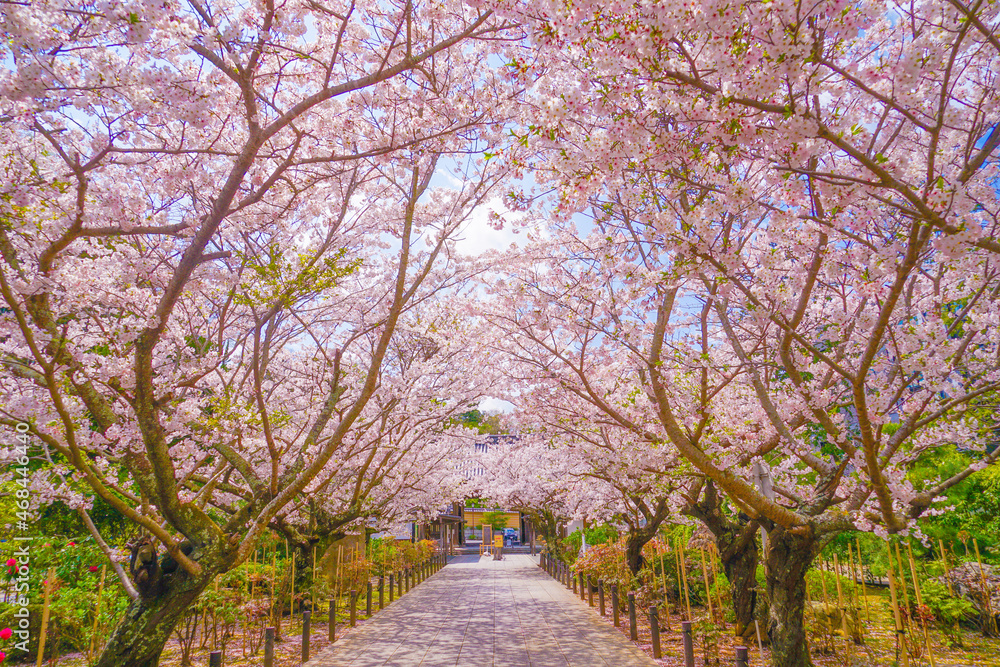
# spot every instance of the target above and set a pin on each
(498, 540)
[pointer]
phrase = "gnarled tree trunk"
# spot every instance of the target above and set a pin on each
(148, 623)
(634, 543)
(788, 557)
(167, 592)
(739, 560)
(737, 544)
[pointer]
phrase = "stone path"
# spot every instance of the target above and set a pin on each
(485, 613)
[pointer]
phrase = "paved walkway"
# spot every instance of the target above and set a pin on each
(484, 613)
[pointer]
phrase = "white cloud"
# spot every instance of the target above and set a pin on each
(478, 236)
(495, 405)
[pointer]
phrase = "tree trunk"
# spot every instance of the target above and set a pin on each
(739, 560)
(633, 550)
(788, 557)
(736, 541)
(548, 525)
(148, 623)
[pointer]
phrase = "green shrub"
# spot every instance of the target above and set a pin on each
(949, 612)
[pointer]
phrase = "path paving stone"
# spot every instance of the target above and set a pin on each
(485, 613)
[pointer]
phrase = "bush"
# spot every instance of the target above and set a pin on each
(73, 599)
(602, 534)
(607, 562)
(948, 611)
(817, 579)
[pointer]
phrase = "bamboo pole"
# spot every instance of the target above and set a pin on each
(244, 618)
(826, 606)
(708, 591)
(97, 615)
(684, 576)
(215, 620)
(947, 573)
(716, 558)
(864, 587)
(907, 621)
(947, 570)
(843, 608)
(274, 570)
(900, 632)
(253, 575)
(680, 587)
(337, 572)
(291, 586)
(920, 603)
(663, 578)
(854, 577)
(51, 576)
(990, 621)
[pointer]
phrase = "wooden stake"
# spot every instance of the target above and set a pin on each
(45, 614)
(900, 632)
(920, 603)
(708, 591)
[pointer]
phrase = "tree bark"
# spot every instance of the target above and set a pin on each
(634, 543)
(786, 562)
(739, 560)
(149, 621)
(737, 545)
(548, 525)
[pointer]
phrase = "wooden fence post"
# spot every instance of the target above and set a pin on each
(633, 630)
(600, 596)
(268, 647)
(306, 617)
(688, 644)
(654, 629)
(614, 605)
(354, 608)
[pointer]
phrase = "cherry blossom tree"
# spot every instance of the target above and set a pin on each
(531, 477)
(819, 181)
(612, 474)
(215, 217)
(575, 335)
